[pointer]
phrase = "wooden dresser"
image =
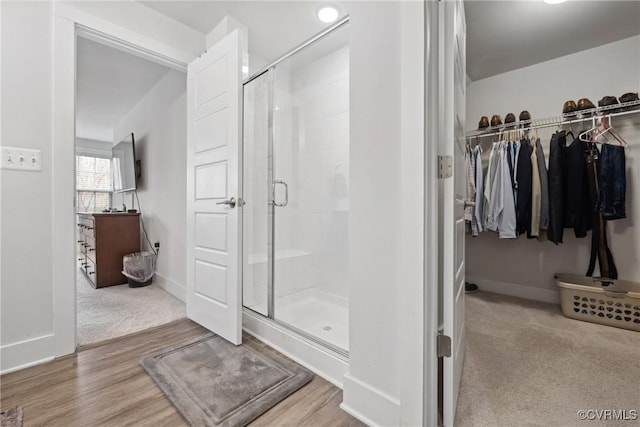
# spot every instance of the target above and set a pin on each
(103, 239)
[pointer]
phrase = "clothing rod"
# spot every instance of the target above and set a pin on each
(557, 121)
(298, 48)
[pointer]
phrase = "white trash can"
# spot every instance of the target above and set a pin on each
(139, 268)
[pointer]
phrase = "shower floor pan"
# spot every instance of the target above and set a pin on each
(316, 313)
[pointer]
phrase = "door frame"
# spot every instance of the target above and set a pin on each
(431, 277)
(69, 24)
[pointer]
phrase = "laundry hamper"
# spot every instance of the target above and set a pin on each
(606, 301)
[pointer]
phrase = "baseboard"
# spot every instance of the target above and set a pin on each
(323, 362)
(171, 286)
(24, 354)
(368, 404)
(516, 290)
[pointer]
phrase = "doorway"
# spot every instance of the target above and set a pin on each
(115, 93)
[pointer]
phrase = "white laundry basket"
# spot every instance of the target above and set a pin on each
(606, 301)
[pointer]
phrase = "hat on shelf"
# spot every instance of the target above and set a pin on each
(483, 123)
(510, 118)
(496, 120)
(629, 97)
(585, 104)
(569, 107)
(607, 101)
(525, 116)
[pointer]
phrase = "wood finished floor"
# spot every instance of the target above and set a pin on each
(104, 385)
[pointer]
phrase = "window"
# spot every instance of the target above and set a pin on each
(93, 184)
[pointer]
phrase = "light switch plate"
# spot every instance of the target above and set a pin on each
(23, 159)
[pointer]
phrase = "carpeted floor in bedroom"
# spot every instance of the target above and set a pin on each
(527, 364)
(115, 311)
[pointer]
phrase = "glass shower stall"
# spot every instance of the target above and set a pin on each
(296, 190)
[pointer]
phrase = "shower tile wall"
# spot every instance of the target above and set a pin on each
(312, 155)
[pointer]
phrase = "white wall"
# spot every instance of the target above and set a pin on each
(27, 199)
(526, 267)
(134, 18)
(372, 387)
(26, 312)
(159, 125)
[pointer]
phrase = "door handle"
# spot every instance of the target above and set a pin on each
(286, 193)
(469, 204)
(230, 202)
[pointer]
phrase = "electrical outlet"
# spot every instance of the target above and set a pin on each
(23, 159)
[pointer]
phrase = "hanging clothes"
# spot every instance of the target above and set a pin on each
(557, 146)
(502, 215)
(477, 212)
(599, 247)
(536, 194)
(578, 210)
(523, 185)
(544, 191)
(612, 180)
(470, 187)
(488, 184)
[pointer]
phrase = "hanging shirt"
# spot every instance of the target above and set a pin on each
(536, 194)
(516, 153)
(488, 184)
(507, 221)
(477, 213)
(524, 188)
(544, 188)
(471, 186)
(502, 216)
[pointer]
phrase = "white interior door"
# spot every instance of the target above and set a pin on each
(213, 182)
(452, 191)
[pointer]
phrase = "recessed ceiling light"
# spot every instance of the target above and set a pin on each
(554, 1)
(328, 14)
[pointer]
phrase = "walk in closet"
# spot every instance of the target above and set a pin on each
(534, 90)
(525, 267)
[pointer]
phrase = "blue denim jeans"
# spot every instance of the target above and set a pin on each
(613, 185)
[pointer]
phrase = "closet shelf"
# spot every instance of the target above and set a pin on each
(558, 120)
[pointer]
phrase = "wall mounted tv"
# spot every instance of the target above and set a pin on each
(124, 165)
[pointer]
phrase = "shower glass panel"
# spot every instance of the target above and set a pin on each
(311, 183)
(296, 190)
(257, 212)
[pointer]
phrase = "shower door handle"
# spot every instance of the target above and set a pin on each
(286, 193)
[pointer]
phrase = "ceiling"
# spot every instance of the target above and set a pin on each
(507, 35)
(109, 84)
(275, 27)
(501, 35)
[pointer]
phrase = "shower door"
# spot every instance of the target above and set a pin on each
(296, 189)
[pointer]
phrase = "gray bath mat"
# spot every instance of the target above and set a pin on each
(12, 417)
(215, 383)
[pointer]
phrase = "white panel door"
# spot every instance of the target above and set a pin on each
(213, 182)
(452, 191)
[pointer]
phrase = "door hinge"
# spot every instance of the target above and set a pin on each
(443, 345)
(445, 166)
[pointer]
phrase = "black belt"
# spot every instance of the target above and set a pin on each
(599, 247)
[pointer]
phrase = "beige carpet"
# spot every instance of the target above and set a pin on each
(528, 365)
(120, 310)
